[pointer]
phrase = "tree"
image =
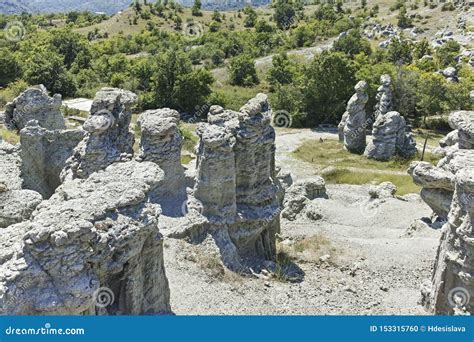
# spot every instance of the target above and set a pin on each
(242, 71)
(9, 67)
(251, 17)
(352, 43)
(400, 51)
(175, 84)
(216, 16)
(403, 20)
(327, 85)
(282, 70)
(284, 14)
(46, 67)
(446, 53)
(196, 9)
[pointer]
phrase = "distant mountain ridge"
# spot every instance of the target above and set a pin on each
(106, 6)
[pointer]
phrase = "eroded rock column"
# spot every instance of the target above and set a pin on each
(355, 124)
(108, 138)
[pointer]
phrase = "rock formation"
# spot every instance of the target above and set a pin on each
(390, 137)
(450, 291)
(35, 104)
(92, 235)
(16, 204)
(355, 124)
(44, 154)
(108, 138)
(299, 197)
(236, 182)
(161, 143)
(438, 182)
(384, 96)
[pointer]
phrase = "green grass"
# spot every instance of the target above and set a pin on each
(330, 153)
(9, 136)
(404, 184)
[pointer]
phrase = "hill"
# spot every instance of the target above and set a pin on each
(107, 6)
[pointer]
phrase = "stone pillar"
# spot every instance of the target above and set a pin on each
(108, 137)
(355, 127)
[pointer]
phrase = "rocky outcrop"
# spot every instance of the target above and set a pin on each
(108, 137)
(16, 204)
(438, 182)
(236, 183)
(44, 154)
(450, 291)
(92, 248)
(299, 197)
(35, 104)
(390, 138)
(355, 124)
(384, 97)
(161, 143)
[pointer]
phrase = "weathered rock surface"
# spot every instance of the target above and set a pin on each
(450, 290)
(108, 137)
(390, 138)
(44, 154)
(299, 197)
(438, 182)
(382, 190)
(355, 125)
(236, 182)
(161, 143)
(35, 104)
(16, 205)
(384, 97)
(92, 248)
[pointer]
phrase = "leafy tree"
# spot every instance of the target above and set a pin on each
(263, 26)
(431, 94)
(242, 71)
(284, 14)
(176, 85)
(216, 16)
(251, 18)
(352, 43)
(400, 51)
(403, 20)
(446, 53)
(326, 12)
(9, 67)
(282, 70)
(327, 86)
(46, 67)
(218, 57)
(196, 9)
